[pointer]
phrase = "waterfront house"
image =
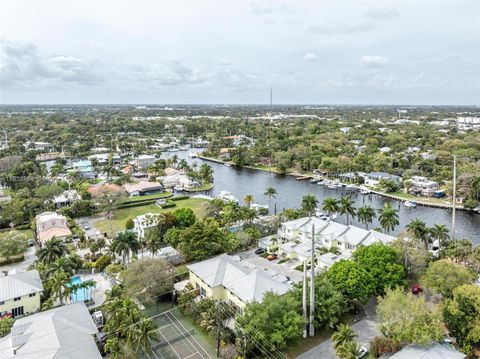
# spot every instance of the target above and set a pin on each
(143, 188)
(228, 279)
(63, 332)
(434, 351)
(51, 225)
(294, 238)
(425, 187)
(104, 158)
(143, 222)
(143, 161)
(177, 179)
(20, 293)
(66, 198)
(374, 178)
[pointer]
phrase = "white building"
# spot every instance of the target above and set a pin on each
(425, 187)
(374, 178)
(143, 222)
(66, 198)
(294, 239)
(63, 332)
(177, 180)
(51, 225)
(143, 161)
(20, 293)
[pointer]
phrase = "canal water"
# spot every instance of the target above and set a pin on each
(242, 181)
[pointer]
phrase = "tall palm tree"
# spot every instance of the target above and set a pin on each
(248, 200)
(346, 207)
(419, 230)
(53, 249)
(153, 242)
(330, 205)
(344, 334)
(59, 285)
(63, 264)
(270, 192)
(440, 232)
(124, 244)
(388, 218)
(365, 215)
(309, 204)
(142, 334)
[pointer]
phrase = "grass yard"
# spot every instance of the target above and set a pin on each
(150, 196)
(410, 197)
(198, 206)
(27, 232)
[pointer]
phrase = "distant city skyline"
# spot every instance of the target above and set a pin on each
(232, 52)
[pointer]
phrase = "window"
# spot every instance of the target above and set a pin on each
(17, 311)
(2, 302)
(17, 299)
(203, 292)
(32, 295)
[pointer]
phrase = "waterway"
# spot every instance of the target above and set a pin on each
(242, 181)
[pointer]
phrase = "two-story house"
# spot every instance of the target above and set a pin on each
(51, 225)
(20, 293)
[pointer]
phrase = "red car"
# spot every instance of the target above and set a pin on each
(271, 257)
(416, 289)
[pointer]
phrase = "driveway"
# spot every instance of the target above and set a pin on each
(366, 329)
(29, 258)
(91, 232)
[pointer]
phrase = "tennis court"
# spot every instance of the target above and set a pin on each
(176, 341)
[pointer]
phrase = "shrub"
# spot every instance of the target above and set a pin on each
(129, 223)
(102, 262)
(382, 345)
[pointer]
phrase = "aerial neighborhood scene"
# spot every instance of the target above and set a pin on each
(239, 179)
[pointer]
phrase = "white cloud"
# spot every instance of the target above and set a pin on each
(339, 28)
(374, 61)
(382, 13)
(310, 56)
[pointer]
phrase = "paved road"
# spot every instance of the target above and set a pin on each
(29, 258)
(366, 329)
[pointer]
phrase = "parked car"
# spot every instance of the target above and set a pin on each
(260, 251)
(272, 256)
(31, 242)
(417, 289)
(362, 352)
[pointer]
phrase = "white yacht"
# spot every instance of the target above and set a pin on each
(410, 204)
(227, 196)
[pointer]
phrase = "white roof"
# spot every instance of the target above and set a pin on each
(331, 258)
(246, 283)
(46, 216)
(436, 351)
(63, 332)
(70, 195)
(20, 284)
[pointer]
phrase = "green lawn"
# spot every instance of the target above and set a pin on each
(150, 196)
(203, 187)
(411, 197)
(27, 232)
(198, 206)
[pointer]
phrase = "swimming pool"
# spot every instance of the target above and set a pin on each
(81, 294)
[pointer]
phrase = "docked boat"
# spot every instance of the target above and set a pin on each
(174, 149)
(365, 191)
(410, 204)
(193, 155)
(227, 196)
(334, 185)
(257, 206)
(227, 164)
(314, 180)
(178, 189)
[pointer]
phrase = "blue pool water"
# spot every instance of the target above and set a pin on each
(80, 294)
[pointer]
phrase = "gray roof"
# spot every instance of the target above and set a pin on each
(20, 284)
(61, 333)
(246, 283)
(436, 351)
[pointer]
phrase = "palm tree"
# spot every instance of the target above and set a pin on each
(440, 232)
(330, 205)
(270, 192)
(365, 215)
(142, 333)
(124, 244)
(348, 350)
(153, 242)
(346, 207)
(388, 218)
(59, 285)
(248, 200)
(309, 204)
(63, 264)
(344, 334)
(53, 249)
(418, 230)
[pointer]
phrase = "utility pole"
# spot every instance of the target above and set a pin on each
(454, 197)
(304, 297)
(219, 324)
(312, 285)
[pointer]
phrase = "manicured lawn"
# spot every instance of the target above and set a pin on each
(203, 187)
(151, 196)
(197, 205)
(410, 197)
(27, 232)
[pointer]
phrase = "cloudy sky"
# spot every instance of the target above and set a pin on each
(234, 51)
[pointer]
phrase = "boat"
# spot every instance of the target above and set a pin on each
(257, 206)
(365, 191)
(476, 209)
(227, 196)
(314, 180)
(193, 155)
(410, 204)
(178, 189)
(320, 182)
(173, 149)
(227, 164)
(334, 185)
